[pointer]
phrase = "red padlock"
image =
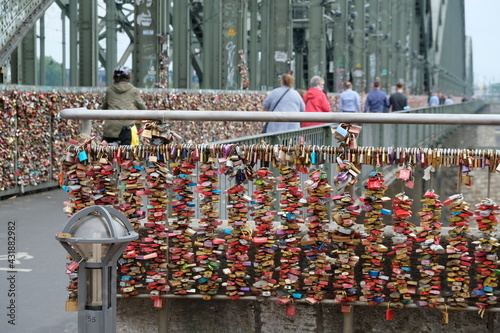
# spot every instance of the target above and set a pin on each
(291, 310)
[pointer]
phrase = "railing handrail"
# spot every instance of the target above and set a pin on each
(259, 116)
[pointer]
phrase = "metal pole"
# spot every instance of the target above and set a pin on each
(88, 43)
(317, 42)
(358, 46)
(73, 43)
(231, 26)
(266, 48)
(111, 42)
(373, 118)
(340, 54)
(384, 45)
(212, 63)
(42, 50)
(182, 45)
(348, 326)
(253, 59)
(63, 19)
(86, 128)
(28, 58)
(146, 45)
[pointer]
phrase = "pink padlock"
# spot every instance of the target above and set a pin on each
(260, 240)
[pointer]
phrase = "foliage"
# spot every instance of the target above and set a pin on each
(53, 72)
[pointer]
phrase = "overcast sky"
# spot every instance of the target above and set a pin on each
(482, 23)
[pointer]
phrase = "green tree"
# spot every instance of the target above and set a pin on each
(53, 72)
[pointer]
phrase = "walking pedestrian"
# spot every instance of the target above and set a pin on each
(376, 100)
(398, 101)
(283, 99)
(349, 99)
(442, 98)
(449, 101)
(315, 98)
(434, 100)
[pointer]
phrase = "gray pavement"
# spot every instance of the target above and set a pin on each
(40, 281)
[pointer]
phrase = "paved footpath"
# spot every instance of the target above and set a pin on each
(37, 289)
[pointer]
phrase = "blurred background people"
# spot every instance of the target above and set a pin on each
(283, 99)
(315, 99)
(349, 99)
(376, 100)
(448, 100)
(434, 100)
(398, 101)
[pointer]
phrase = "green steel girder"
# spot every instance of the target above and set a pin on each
(316, 41)
(88, 43)
(276, 45)
(357, 40)
(16, 19)
(28, 59)
(373, 41)
(211, 45)
(182, 41)
(111, 41)
(340, 47)
(254, 45)
(197, 19)
(146, 42)
(233, 40)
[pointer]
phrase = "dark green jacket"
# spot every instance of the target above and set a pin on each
(121, 96)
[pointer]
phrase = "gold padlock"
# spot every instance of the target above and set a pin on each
(71, 306)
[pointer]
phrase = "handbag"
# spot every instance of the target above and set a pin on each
(264, 130)
(125, 136)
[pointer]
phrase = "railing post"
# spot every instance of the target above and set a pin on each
(348, 322)
(328, 140)
(86, 128)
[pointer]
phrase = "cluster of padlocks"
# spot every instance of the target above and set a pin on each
(291, 198)
(266, 245)
(459, 259)
(429, 251)
(485, 254)
(401, 286)
(374, 279)
(160, 188)
(209, 246)
(34, 136)
(317, 271)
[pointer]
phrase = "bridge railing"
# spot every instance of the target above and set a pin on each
(236, 196)
(413, 128)
(33, 113)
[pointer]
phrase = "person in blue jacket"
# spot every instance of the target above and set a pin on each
(376, 100)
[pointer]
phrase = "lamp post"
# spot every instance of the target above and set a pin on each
(96, 236)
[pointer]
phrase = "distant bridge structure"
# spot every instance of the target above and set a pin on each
(239, 44)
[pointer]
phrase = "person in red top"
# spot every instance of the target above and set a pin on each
(315, 99)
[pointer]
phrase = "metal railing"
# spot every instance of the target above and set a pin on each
(423, 127)
(392, 130)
